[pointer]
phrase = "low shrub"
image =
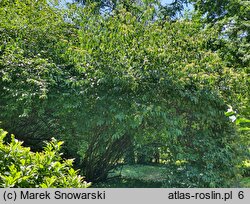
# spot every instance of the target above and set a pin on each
(22, 168)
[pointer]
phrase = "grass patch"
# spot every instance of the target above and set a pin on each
(144, 172)
(146, 176)
(127, 183)
(136, 176)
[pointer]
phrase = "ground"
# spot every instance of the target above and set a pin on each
(146, 176)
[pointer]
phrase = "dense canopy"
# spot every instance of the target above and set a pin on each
(128, 86)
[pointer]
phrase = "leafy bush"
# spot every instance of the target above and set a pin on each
(125, 82)
(245, 182)
(19, 167)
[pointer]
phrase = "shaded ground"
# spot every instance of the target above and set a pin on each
(136, 176)
(144, 176)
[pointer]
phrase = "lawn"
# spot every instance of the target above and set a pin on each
(145, 176)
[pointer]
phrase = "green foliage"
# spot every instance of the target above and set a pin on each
(21, 168)
(105, 83)
(246, 168)
(245, 183)
(135, 6)
(231, 19)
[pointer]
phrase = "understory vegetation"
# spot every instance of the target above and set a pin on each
(142, 94)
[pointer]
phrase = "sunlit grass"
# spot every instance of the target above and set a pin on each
(144, 172)
(147, 176)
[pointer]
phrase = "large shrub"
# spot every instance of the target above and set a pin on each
(21, 168)
(109, 83)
